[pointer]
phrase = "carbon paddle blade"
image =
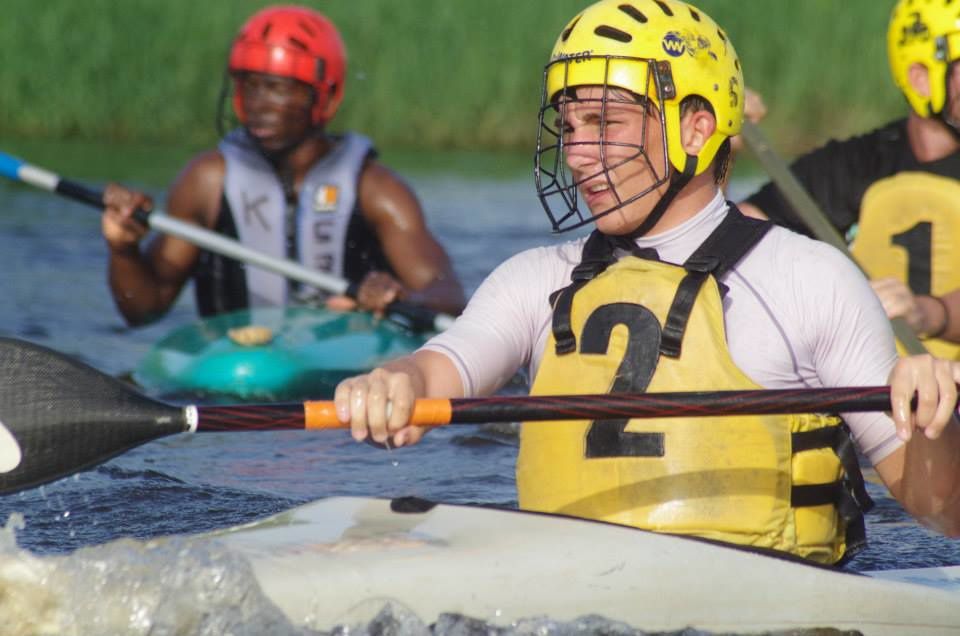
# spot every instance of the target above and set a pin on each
(59, 416)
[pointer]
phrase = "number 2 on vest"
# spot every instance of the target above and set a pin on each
(608, 438)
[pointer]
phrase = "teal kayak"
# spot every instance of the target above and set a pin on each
(275, 353)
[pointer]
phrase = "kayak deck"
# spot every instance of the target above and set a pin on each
(339, 560)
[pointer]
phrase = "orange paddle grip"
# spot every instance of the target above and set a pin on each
(426, 412)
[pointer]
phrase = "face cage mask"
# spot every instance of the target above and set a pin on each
(557, 189)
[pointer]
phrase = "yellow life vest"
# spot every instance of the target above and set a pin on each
(734, 479)
(909, 228)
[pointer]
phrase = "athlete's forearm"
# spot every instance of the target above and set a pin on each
(137, 291)
(951, 307)
(432, 374)
(930, 489)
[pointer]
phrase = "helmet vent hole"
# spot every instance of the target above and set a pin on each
(566, 32)
(663, 7)
(308, 28)
(736, 64)
(605, 31)
(633, 12)
(694, 15)
(722, 36)
(266, 31)
(299, 44)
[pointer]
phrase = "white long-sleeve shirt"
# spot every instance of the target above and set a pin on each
(798, 313)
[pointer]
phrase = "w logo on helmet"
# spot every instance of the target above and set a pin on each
(674, 45)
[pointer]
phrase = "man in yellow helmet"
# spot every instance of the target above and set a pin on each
(676, 290)
(896, 188)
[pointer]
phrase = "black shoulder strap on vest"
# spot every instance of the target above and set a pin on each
(597, 256)
(734, 237)
(723, 249)
(220, 283)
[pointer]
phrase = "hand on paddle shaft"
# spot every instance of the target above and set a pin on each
(923, 395)
(124, 226)
(59, 416)
(124, 221)
(414, 317)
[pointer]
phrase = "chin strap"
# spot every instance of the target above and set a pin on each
(678, 181)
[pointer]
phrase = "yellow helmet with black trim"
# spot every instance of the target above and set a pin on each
(665, 50)
(924, 32)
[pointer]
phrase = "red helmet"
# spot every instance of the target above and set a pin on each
(295, 42)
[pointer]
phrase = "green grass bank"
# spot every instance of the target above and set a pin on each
(443, 74)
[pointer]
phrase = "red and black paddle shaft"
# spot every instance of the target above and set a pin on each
(59, 416)
(438, 412)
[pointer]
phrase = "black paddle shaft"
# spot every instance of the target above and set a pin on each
(83, 194)
(678, 404)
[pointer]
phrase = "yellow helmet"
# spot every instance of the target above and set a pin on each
(613, 43)
(924, 32)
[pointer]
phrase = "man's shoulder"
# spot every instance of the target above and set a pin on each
(546, 267)
(890, 135)
(207, 167)
(563, 254)
(792, 274)
(785, 252)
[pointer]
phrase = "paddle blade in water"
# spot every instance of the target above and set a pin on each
(59, 416)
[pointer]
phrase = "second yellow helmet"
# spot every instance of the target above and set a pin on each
(924, 32)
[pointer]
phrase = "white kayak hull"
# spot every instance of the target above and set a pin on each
(339, 561)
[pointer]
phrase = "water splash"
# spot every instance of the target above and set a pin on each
(163, 587)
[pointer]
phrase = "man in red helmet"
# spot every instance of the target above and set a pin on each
(281, 184)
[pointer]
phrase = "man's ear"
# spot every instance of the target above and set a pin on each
(919, 79)
(696, 127)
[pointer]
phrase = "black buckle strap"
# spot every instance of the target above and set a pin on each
(838, 438)
(849, 494)
(727, 244)
(562, 301)
(679, 314)
(731, 241)
(698, 269)
(597, 256)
